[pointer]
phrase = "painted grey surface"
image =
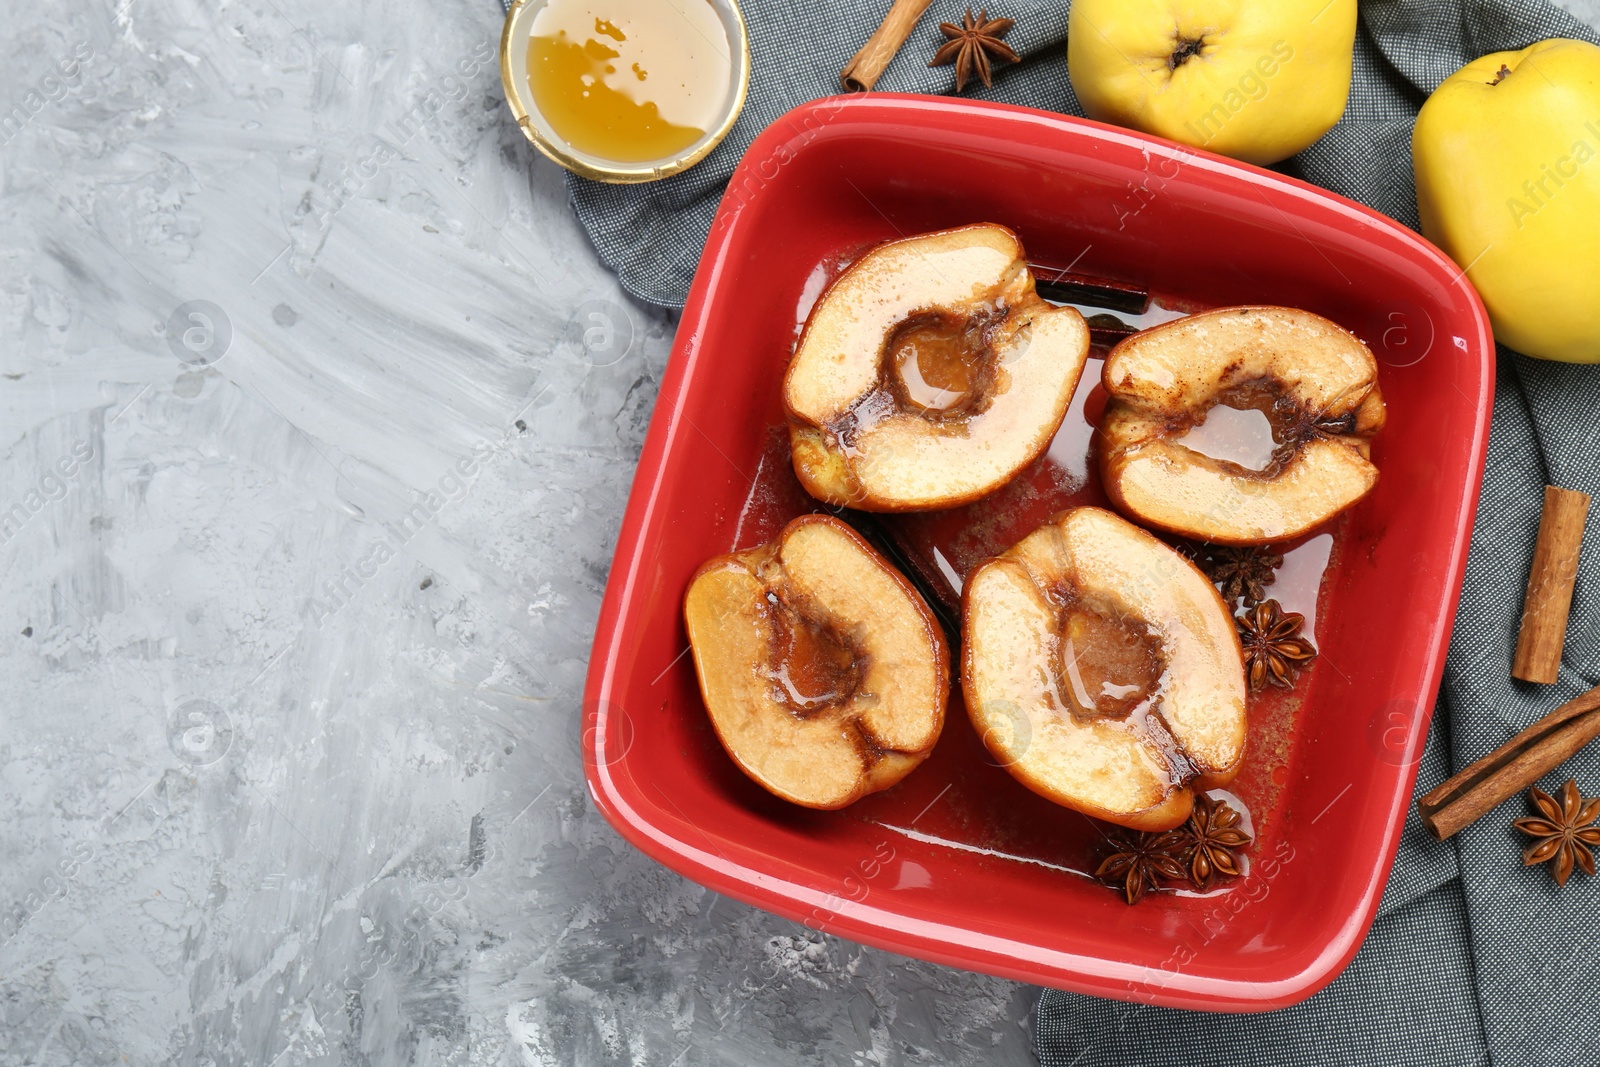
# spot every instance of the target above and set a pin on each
(309, 482)
(288, 765)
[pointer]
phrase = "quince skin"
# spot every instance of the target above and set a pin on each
(1507, 160)
(1255, 81)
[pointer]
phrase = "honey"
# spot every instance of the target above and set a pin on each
(941, 364)
(630, 81)
(935, 361)
(1242, 436)
(1110, 665)
(813, 666)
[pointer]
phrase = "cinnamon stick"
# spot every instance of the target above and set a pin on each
(1512, 767)
(1070, 288)
(1549, 596)
(865, 67)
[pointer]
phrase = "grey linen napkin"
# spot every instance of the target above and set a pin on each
(1472, 959)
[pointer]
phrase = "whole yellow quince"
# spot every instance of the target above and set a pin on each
(1507, 160)
(1256, 81)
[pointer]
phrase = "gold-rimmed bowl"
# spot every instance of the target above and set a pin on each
(519, 95)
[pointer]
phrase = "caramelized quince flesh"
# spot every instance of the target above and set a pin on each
(1103, 671)
(1315, 382)
(929, 374)
(823, 672)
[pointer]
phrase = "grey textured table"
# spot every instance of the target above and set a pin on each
(308, 490)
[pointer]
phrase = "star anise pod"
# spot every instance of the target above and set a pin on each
(1240, 572)
(1272, 645)
(1211, 836)
(1139, 859)
(1564, 834)
(970, 45)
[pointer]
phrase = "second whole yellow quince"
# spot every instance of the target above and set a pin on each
(1256, 81)
(1507, 159)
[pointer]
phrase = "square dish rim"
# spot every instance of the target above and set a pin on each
(892, 929)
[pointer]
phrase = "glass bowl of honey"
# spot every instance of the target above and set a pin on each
(625, 90)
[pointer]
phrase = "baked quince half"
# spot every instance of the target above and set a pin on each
(930, 373)
(1103, 671)
(823, 671)
(1316, 383)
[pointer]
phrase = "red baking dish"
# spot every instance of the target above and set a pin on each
(958, 864)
